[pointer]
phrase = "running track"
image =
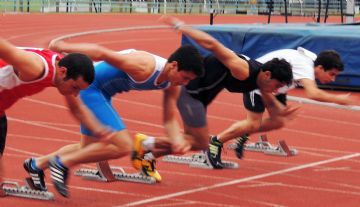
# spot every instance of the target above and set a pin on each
(325, 173)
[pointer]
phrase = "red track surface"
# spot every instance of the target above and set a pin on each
(319, 176)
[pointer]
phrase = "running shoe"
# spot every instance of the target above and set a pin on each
(37, 176)
(59, 175)
(214, 153)
(149, 169)
(240, 143)
(138, 151)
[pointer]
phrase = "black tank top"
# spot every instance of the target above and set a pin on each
(218, 76)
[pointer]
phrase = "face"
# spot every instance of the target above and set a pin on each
(269, 85)
(72, 87)
(326, 76)
(181, 77)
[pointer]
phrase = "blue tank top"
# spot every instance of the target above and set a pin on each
(111, 80)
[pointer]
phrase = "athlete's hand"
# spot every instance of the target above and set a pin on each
(180, 146)
(172, 21)
(56, 45)
(289, 112)
(347, 99)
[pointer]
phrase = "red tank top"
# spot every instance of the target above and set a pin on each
(9, 96)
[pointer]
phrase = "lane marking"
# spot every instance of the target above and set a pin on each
(241, 180)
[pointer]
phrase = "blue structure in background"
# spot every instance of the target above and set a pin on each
(255, 40)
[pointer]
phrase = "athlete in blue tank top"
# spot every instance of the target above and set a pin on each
(119, 72)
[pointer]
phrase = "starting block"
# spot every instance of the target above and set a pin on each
(197, 161)
(105, 173)
(14, 189)
(282, 149)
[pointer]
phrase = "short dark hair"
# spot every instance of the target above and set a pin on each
(78, 65)
(188, 59)
(280, 70)
(329, 59)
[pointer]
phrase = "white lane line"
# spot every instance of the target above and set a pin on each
(242, 180)
(42, 125)
(210, 116)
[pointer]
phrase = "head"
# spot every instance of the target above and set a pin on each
(328, 65)
(185, 64)
(274, 74)
(75, 72)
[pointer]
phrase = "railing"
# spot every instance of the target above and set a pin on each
(294, 7)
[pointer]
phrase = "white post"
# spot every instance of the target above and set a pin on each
(350, 9)
(164, 6)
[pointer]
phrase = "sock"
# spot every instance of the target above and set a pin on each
(149, 156)
(59, 163)
(34, 166)
(218, 139)
(149, 143)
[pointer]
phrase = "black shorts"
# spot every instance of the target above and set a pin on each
(192, 111)
(3, 131)
(253, 101)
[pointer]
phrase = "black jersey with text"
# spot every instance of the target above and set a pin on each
(218, 76)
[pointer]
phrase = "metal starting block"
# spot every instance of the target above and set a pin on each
(14, 189)
(106, 173)
(198, 161)
(282, 149)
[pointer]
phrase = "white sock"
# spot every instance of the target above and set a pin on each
(149, 143)
(149, 156)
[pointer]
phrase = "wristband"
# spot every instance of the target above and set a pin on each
(178, 25)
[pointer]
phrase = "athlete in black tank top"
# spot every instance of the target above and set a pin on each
(218, 76)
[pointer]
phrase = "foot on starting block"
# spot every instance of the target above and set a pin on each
(106, 173)
(14, 189)
(198, 160)
(282, 149)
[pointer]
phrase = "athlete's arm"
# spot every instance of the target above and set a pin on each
(138, 66)
(171, 124)
(239, 68)
(84, 115)
(276, 108)
(28, 65)
(314, 93)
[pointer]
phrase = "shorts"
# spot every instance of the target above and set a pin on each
(192, 111)
(254, 103)
(100, 105)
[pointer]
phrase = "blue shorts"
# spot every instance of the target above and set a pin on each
(100, 105)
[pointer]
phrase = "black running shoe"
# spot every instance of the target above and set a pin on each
(214, 153)
(59, 176)
(240, 143)
(37, 176)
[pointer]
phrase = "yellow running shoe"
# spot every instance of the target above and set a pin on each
(148, 168)
(138, 151)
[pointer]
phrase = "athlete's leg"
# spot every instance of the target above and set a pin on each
(251, 124)
(3, 132)
(94, 150)
(193, 114)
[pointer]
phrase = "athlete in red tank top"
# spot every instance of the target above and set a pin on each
(24, 72)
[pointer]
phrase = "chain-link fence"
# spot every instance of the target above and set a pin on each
(294, 7)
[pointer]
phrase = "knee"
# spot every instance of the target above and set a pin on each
(254, 126)
(279, 123)
(122, 147)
